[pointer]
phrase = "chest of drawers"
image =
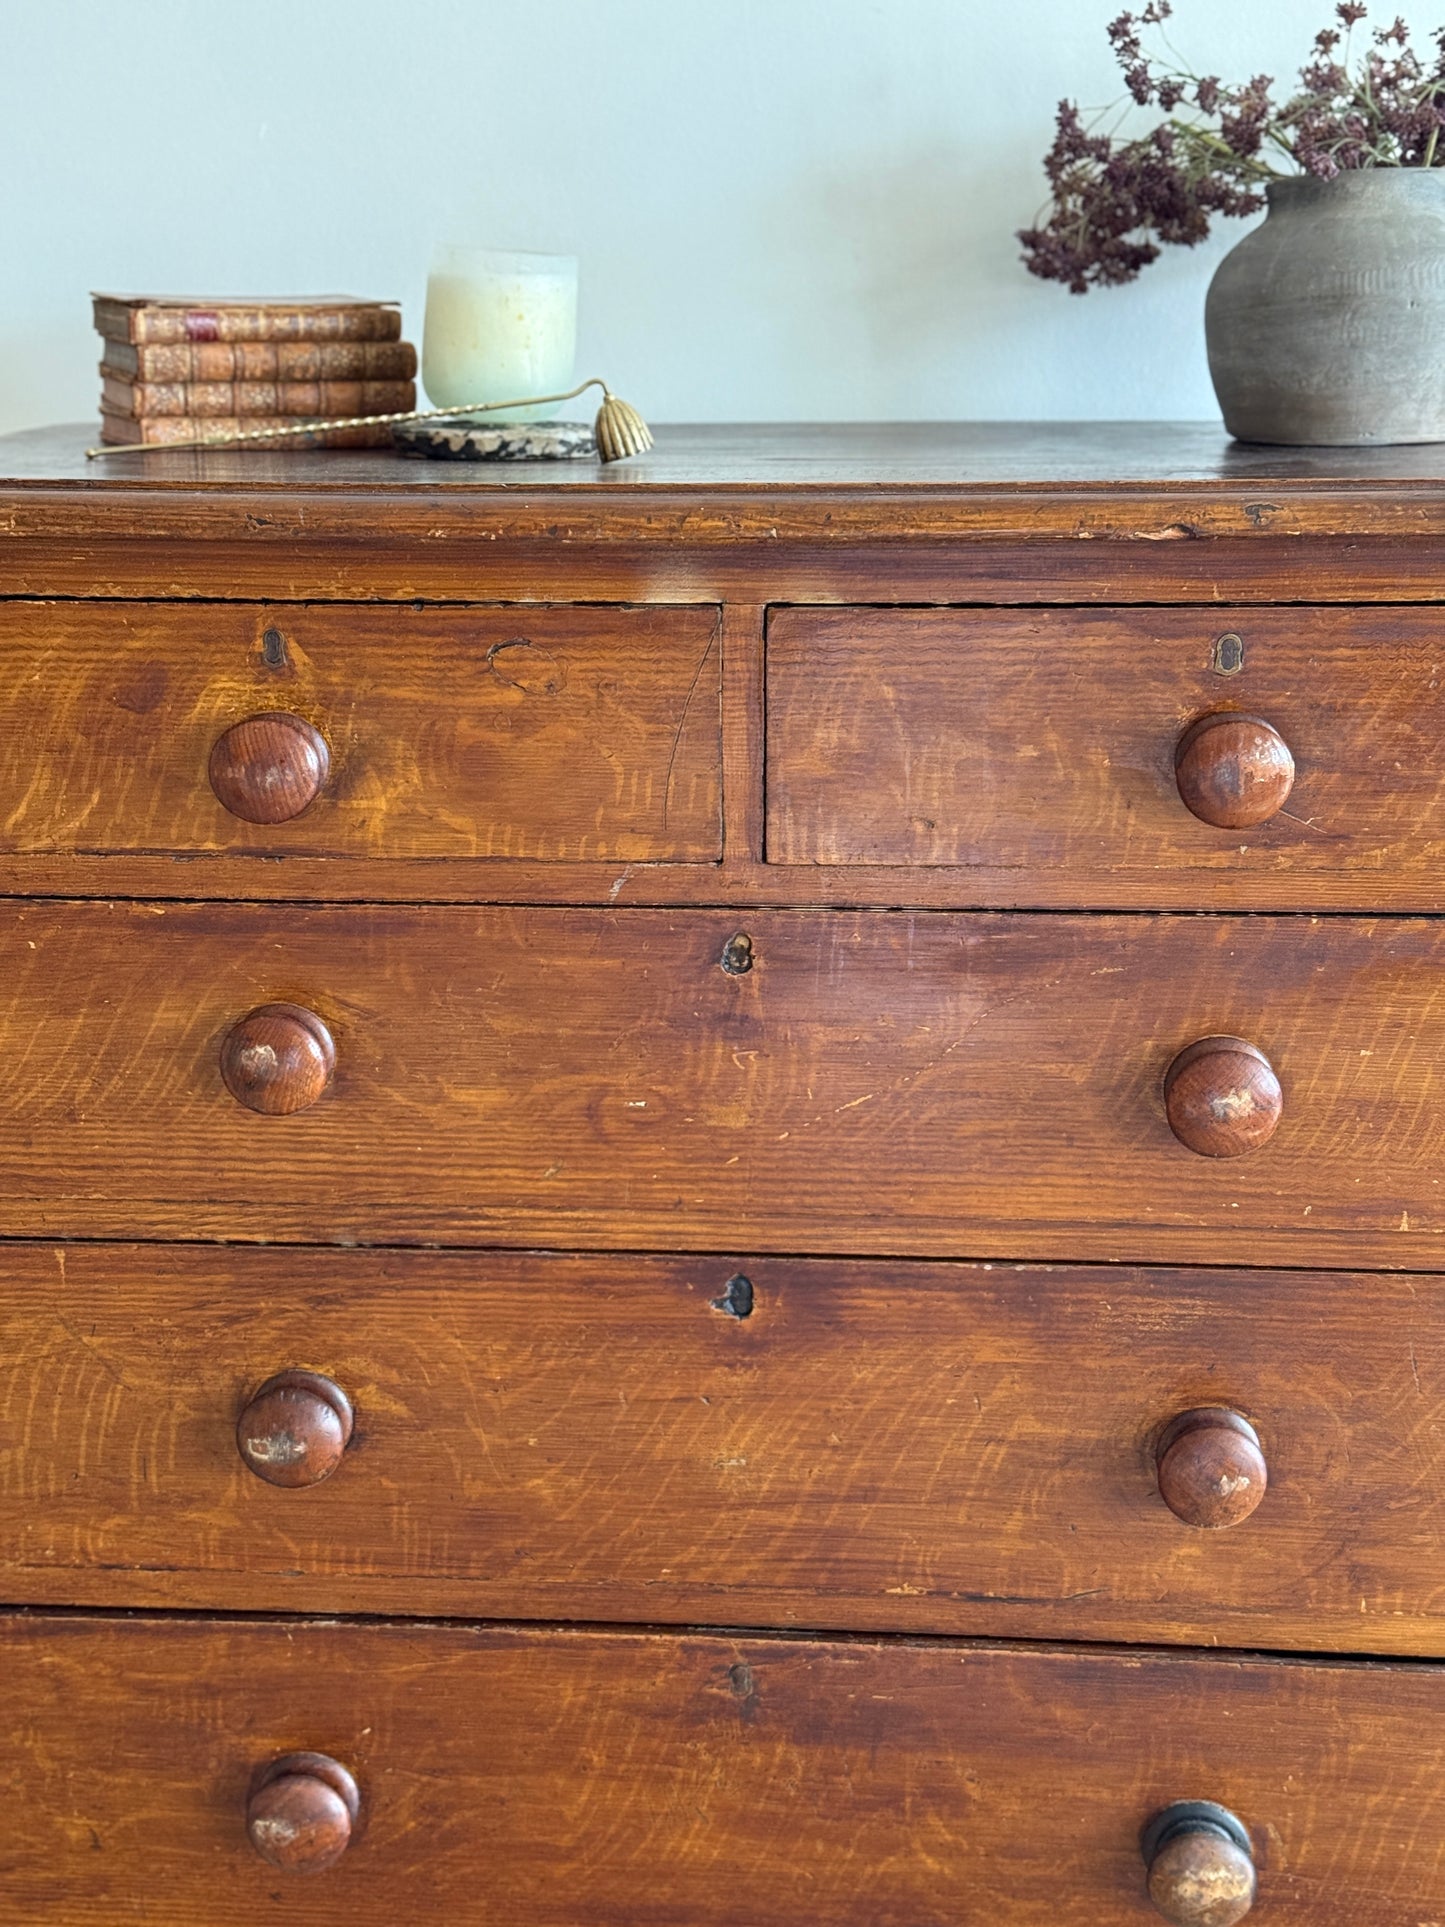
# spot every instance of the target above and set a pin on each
(722, 1192)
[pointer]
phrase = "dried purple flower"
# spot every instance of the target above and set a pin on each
(1116, 200)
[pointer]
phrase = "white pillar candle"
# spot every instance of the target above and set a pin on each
(499, 326)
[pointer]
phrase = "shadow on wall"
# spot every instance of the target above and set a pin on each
(927, 240)
(63, 361)
(896, 268)
(909, 272)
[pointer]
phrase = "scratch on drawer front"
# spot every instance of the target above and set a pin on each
(533, 670)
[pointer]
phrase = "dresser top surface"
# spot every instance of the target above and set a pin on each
(953, 456)
(725, 486)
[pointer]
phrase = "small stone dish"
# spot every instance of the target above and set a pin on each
(462, 439)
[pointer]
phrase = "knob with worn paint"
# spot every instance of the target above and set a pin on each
(1201, 1865)
(1211, 1467)
(269, 768)
(1222, 1098)
(301, 1813)
(295, 1429)
(1233, 771)
(278, 1059)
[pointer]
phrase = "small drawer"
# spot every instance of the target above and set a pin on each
(227, 1772)
(544, 734)
(1200, 1457)
(1216, 1090)
(1270, 758)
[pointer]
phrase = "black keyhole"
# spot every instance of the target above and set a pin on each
(737, 956)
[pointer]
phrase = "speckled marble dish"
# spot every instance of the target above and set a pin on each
(458, 439)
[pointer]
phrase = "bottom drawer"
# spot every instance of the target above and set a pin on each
(575, 1778)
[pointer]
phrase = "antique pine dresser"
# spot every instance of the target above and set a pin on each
(723, 1185)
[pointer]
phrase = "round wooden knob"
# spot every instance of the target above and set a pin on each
(1222, 1097)
(278, 1059)
(295, 1429)
(1201, 1865)
(301, 1812)
(1212, 1471)
(270, 768)
(1233, 770)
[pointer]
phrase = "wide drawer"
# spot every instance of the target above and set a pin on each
(913, 1085)
(542, 733)
(550, 1778)
(936, 1448)
(1036, 753)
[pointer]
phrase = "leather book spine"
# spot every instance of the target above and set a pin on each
(157, 430)
(260, 361)
(141, 322)
(296, 399)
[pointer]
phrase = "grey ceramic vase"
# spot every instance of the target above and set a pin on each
(1326, 325)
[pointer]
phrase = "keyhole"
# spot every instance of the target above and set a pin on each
(737, 956)
(1229, 654)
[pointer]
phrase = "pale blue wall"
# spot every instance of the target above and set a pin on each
(784, 208)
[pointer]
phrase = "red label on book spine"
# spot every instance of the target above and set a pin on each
(201, 326)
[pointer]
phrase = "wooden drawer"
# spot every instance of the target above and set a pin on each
(540, 733)
(556, 1779)
(1034, 752)
(934, 1448)
(907, 1085)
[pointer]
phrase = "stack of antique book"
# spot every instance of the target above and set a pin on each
(174, 367)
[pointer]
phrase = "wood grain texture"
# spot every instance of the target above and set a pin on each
(1041, 746)
(501, 565)
(914, 1085)
(795, 456)
(1095, 827)
(858, 1444)
(914, 1448)
(549, 734)
(1097, 479)
(917, 512)
(593, 1779)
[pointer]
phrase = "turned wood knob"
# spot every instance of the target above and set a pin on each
(1222, 1097)
(1201, 1865)
(1233, 770)
(295, 1429)
(1211, 1467)
(301, 1812)
(269, 768)
(278, 1059)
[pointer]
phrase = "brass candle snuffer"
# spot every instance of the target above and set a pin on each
(620, 430)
